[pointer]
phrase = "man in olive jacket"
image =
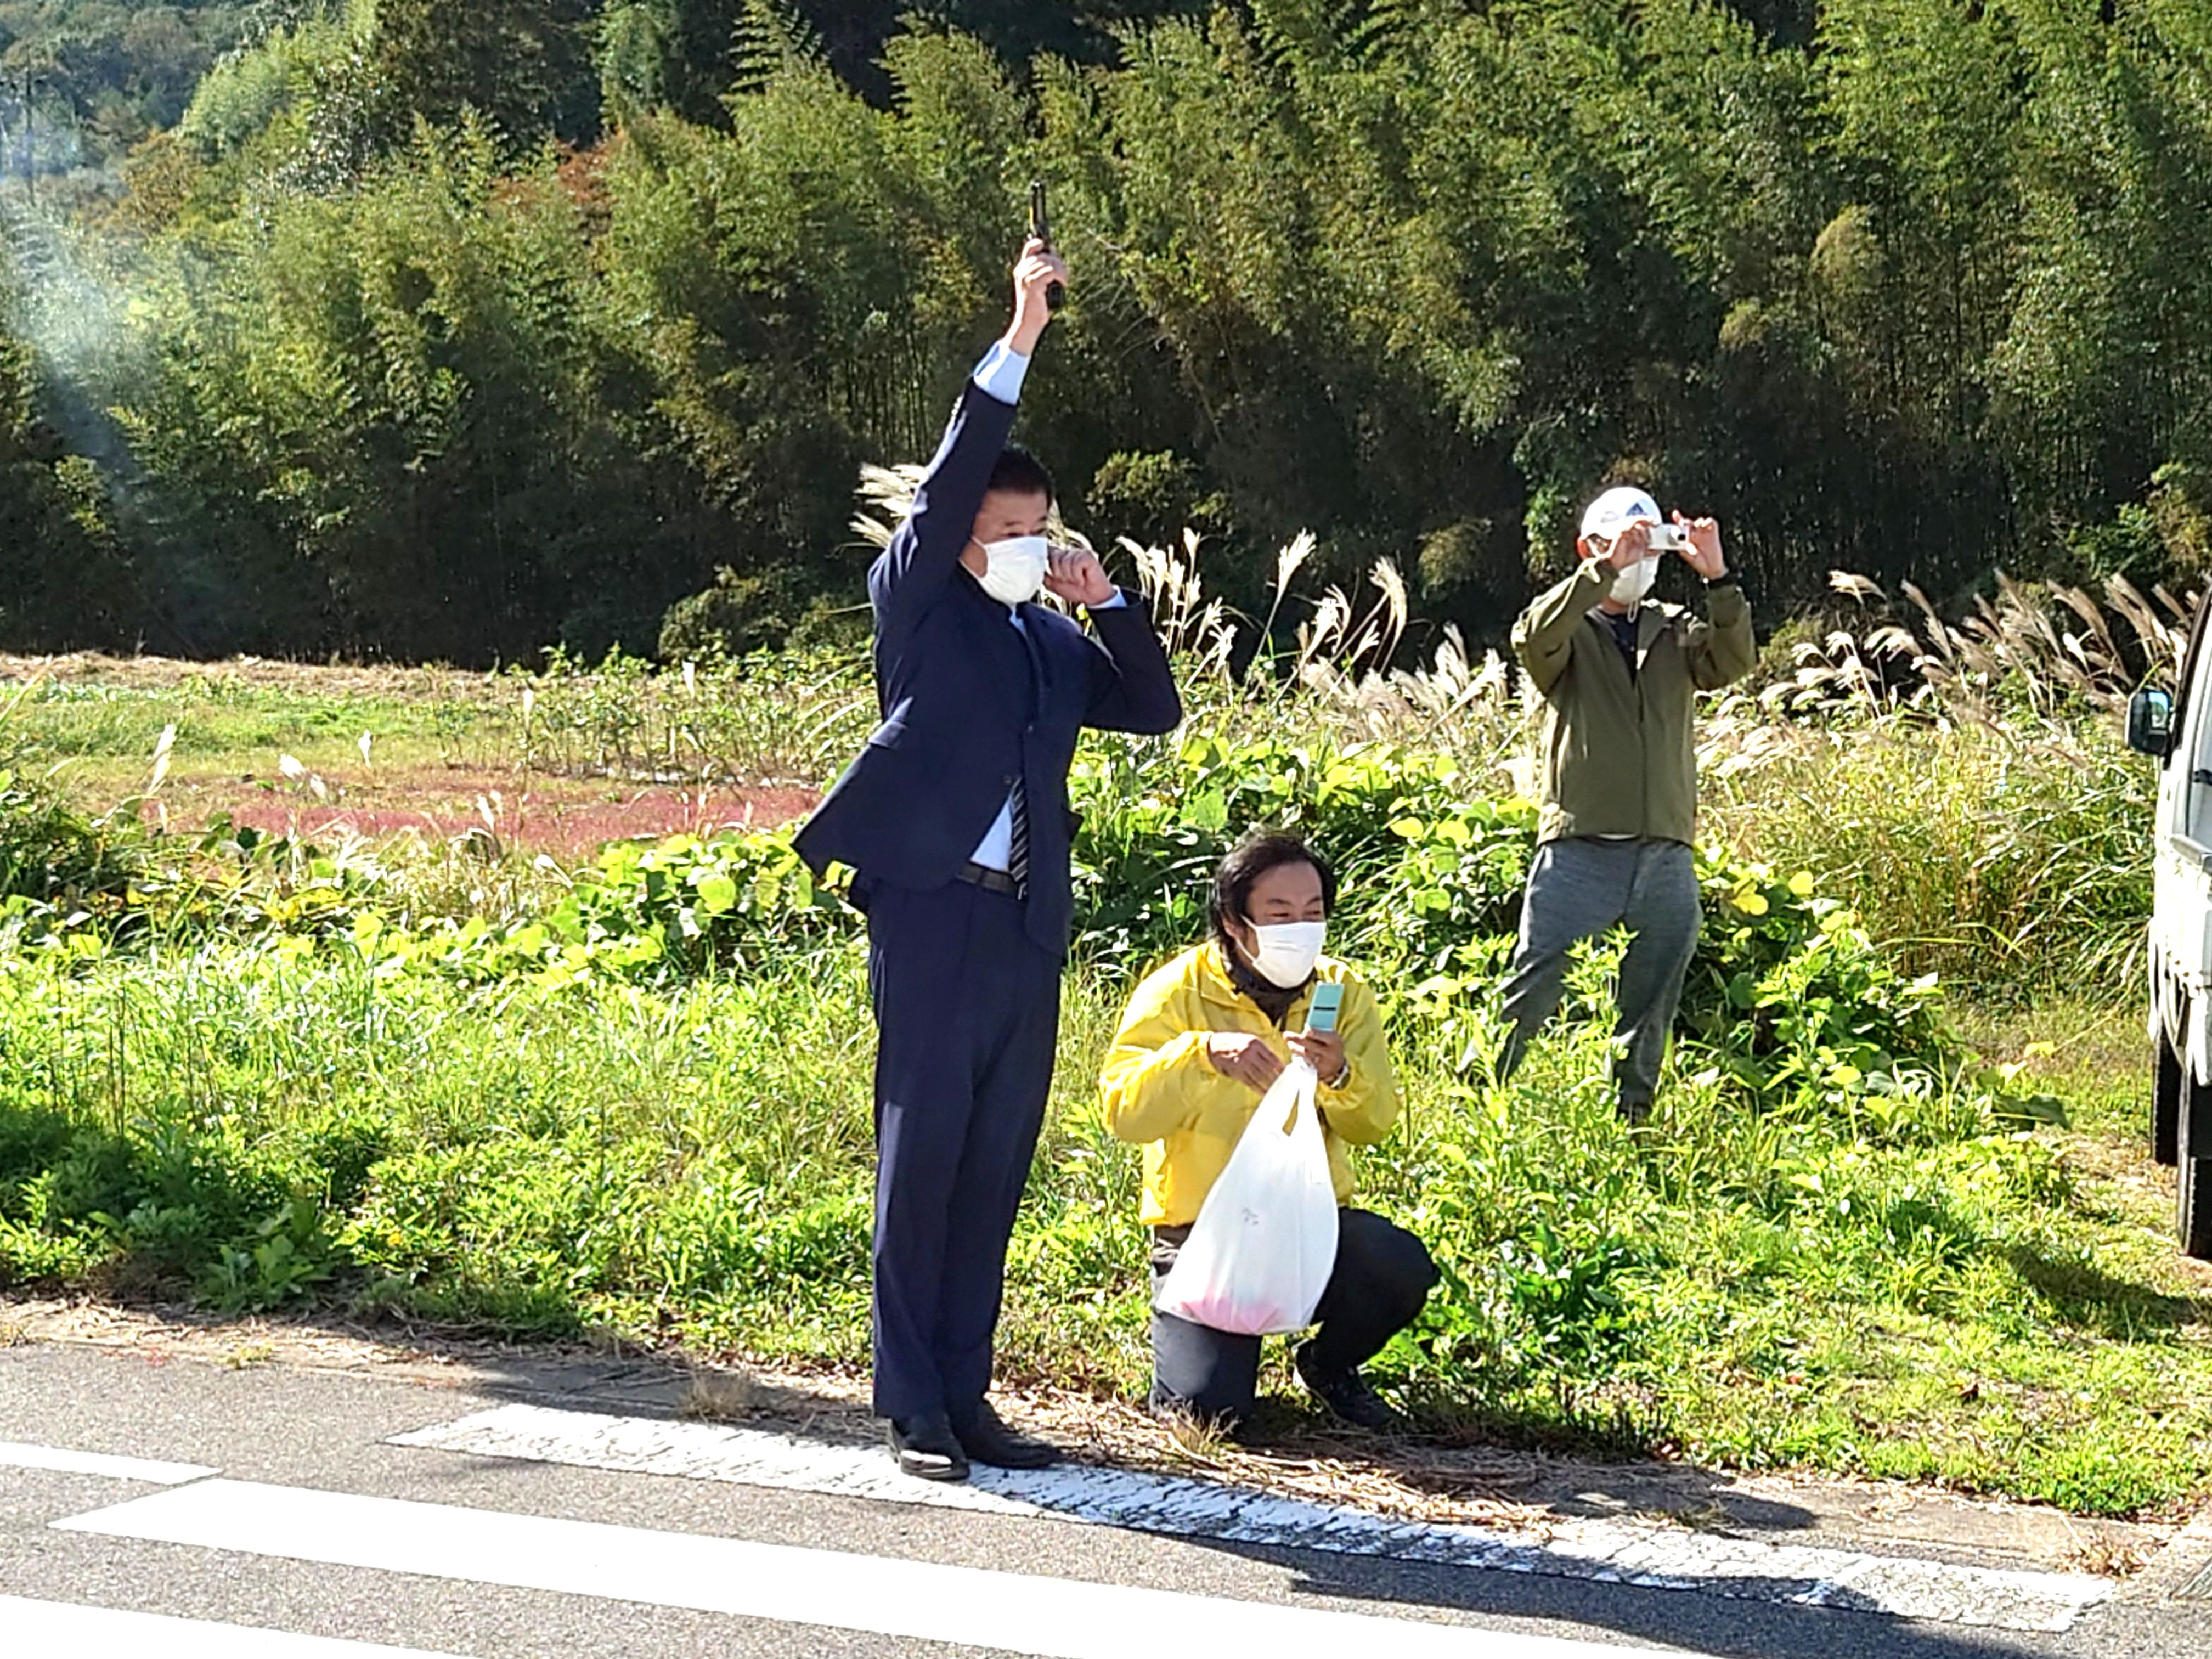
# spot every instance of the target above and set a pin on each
(1619, 678)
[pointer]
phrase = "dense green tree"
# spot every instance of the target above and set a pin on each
(65, 578)
(1913, 287)
(101, 73)
(525, 66)
(688, 53)
(386, 426)
(807, 283)
(2101, 382)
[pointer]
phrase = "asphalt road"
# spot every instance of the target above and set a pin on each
(297, 1516)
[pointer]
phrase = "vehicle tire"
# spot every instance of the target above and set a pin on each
(2166, 1104)
(2193, 1211)
(2192, 1175)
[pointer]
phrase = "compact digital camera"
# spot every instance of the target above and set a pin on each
(1669, 538)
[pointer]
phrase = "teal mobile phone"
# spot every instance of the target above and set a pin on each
(1328, 998)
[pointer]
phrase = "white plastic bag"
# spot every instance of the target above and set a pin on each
(1259, 1254)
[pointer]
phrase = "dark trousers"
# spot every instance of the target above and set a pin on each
(1383, 1276)
(967, 1013)
(1579, 889)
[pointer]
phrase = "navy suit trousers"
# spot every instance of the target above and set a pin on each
(967, 1016)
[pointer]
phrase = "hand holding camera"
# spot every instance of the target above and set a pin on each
(1698, 542)
(1632, 545)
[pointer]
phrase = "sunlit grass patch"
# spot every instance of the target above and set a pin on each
(1751, 1288)
(628, 1092)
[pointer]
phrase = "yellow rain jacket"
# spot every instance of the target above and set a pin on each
(1158, 1088)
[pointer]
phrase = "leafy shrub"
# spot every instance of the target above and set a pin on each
(54, 855)
(732, 615)
(1156, 821)
(1802, 1006)
(237, 1221)
(729, 903)
(643, 912)
(1797, 1001)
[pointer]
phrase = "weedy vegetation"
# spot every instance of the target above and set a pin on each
(1894, 1216)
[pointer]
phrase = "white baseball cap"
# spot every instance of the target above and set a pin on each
(1614, 511)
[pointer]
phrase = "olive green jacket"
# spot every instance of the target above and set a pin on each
(1620, 754)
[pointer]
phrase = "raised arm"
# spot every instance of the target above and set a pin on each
(1545, 635)
(1133, 686)
(1722, 649)
(910, 575)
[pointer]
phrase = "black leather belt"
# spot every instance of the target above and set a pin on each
(990, 880)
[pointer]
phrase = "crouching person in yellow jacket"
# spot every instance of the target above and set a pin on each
(1202, 1039)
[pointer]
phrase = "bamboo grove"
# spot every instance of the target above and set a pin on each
(447, 329)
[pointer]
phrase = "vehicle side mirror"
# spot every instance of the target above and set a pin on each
(2150, 723)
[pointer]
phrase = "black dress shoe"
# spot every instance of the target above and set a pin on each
(986, 1438)
(927, 1448)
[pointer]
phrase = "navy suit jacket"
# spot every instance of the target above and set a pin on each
(969, 705)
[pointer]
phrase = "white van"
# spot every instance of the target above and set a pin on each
(2179, 734)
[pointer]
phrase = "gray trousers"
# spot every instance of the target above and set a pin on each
(1579, 889)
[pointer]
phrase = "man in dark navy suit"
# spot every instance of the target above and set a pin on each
(955, 820)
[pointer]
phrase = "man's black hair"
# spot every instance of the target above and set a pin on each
(1020, 473)
(1249, 860)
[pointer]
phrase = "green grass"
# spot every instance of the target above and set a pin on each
(1993, 1311)
(1934, 1291)
(2092, 1053)
(2012, 859)
(776, 721)
(215, 720)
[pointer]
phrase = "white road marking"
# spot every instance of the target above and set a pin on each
(64, 1627)
(16, 1454)
(921, 1601)
(1663, 1558)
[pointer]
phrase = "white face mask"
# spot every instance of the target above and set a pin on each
(1013, 569)
(1285, 952)
(1629, 586)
